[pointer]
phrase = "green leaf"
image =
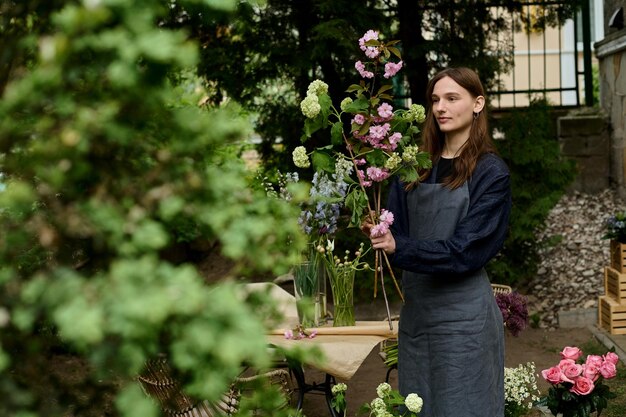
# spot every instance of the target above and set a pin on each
(356, 201)
(336, 133)
(313, 125)
(323, 161)
(325, 104)
(358, 105)
(407, 175)
(354, 87)
(384, 88)
(395, 51)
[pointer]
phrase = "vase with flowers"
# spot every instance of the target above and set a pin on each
(378, 142)
(341, 271)
(577, 387)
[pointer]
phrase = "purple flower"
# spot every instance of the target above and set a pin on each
(514, 311)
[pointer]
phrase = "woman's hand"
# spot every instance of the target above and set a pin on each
(385, 242)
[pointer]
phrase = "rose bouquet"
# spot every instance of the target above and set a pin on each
(378, 141)
(577, 385)
(390, 403)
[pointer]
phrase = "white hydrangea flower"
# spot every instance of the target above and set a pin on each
(410, 153)
(378, 405)
(414, 403)
(310, 106)
(383, 390)
(339, 388)
(416, 113)
(345, 103)
(300, 157)
(316, 88)
(393, 161)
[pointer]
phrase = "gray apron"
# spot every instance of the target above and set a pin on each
(451, 340)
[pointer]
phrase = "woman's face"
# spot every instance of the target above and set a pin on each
(454, 107)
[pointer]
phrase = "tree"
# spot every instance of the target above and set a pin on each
(106, 166)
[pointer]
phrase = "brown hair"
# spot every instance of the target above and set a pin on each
(479, 141)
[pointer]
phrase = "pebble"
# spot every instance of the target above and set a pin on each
(570, 274)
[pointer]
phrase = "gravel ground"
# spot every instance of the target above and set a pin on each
(571, 270)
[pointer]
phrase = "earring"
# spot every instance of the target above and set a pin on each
(476, 115)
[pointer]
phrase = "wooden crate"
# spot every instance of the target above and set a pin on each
(612, 315)
(615, 284)
(618, 256)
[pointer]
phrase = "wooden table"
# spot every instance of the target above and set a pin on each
(341, 350)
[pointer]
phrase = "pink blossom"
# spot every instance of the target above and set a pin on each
(379, 131)
(571, 352)
(368, 36)
(611, 357)
(608, 370)
(313, 334)
(361, 175)
(361, 161)
(377, 174)
(360, 67)
(379, 230)
(392, 69)
(372, 52)
(359, 119)
(552, 375)
(395, 138)
(386, 217)
(582, 386)
(385, 110)
(288, 334)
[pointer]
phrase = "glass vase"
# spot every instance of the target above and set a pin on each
(305, 287)
(342, 286)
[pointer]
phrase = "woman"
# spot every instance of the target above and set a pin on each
(447, 227)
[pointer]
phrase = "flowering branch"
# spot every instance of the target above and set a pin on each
(379, 141)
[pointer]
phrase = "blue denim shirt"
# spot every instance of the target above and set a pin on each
(478, 236)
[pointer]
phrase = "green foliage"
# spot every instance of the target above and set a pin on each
(107, 164)
(539, 177)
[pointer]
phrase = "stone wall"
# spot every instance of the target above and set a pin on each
(585, 139)
(611, 53)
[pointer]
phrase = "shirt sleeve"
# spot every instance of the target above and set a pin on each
(478, 237)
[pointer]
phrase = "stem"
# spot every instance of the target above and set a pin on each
(393, 276)
(382, 284)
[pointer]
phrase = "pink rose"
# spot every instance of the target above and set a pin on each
(591, 371)
(571, 352)
(608, 370)
(594, 360)
(552, 375)
(572, 371)
(611, 357)
(565, 363)
(582, 386)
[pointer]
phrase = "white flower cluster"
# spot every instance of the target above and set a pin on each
(410, 153)
(383, 390)
(310, 106)
(520, 385)
(300, 157)
(414, 403)
(339, 388)
(345, 103)
(393, 161)
(416, 113)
